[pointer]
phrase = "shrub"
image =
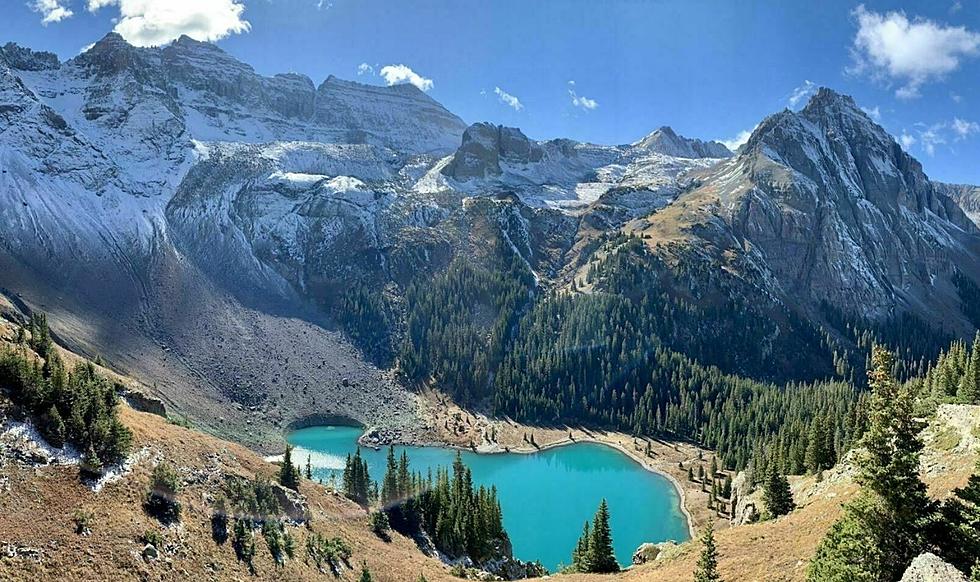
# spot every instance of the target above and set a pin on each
(83, 522)
(243, 542)
(255, 500)
(380, 525)
(153, 538)
(328, 552)
(219, 521)
(161, 499)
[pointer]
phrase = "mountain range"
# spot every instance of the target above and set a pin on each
(194, 222)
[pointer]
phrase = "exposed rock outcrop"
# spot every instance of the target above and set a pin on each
(966, 195)
(748, 506)
(647, 552)
(929, 567)
(484, 146)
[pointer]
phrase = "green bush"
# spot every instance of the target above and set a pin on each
(243, 542)
(254, 500)
(161, 499)
(328, 552)
(153, 538)
(83, 522)
(380, 525)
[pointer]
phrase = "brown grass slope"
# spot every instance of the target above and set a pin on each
(37, 506)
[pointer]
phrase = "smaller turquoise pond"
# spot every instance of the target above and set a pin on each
(545, 496)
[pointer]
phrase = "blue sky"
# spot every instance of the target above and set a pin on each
(710, 69)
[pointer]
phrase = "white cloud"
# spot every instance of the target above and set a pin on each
(157, 22)
(739, 140)
(396, 74)
(51, 10)
(930, 137)
(906, 140)
(890, 47)
(802, 92)
(964, 129)
(581, 100)
(508, 99)
(873, 112)
(364, 69)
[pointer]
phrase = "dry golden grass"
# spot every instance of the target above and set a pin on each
(37, 511)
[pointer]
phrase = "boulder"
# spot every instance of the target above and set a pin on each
(645, 553)
(929, 567)
(150, 552)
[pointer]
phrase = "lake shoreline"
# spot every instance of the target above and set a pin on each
(564, 484)
(444, 423)
(529, 450)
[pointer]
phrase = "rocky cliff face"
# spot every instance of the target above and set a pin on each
(825, 206)
(966, 196)
(484, 146)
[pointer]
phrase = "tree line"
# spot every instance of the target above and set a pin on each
(893, 520)
(77, 407)
(460, 518)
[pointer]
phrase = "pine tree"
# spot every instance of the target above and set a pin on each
(356, 479)
(309, 468)
(969, 388)
(817, 456)
(957, 533)
(389, 486)
(707, 569)
(776, 495)
(243, 542)
(602, 559)
(580, 555)
(884, 528)
(288, 473)
(365, 574)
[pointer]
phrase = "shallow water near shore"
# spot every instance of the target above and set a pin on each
(545, 496)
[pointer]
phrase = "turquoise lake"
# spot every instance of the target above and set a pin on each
(545, 496)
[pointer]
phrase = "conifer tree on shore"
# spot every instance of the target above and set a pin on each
(594, 551)
(288, 473)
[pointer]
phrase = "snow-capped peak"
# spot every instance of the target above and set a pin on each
(666, 141)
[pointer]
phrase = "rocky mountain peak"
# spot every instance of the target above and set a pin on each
(111, 55)
(666, 141)
(826, 99)
(25, 59)
(485, 146)
(828, 179)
